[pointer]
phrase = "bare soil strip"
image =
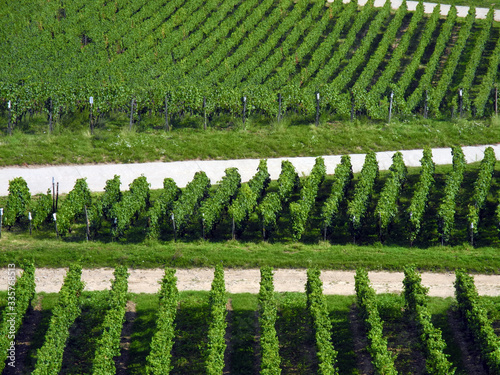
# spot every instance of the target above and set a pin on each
(123, 360)
(363, 358)
(470, 355)
(25, 336)
(50, 280)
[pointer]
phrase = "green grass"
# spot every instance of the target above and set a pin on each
(294, 136)
(53, 253)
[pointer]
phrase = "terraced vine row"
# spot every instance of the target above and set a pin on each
(241, 204)
(316, 316)
(205, 57)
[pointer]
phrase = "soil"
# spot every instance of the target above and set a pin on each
(247, 281)
(364, 361)
(123, 360)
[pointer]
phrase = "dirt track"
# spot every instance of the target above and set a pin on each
(247, 281)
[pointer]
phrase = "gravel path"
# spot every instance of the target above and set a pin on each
(247, 281)
(39, 179)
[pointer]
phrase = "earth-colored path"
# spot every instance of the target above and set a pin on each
(39, 179)
(247, 281)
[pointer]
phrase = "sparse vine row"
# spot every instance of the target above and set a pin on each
(382, 360)
(436, 361)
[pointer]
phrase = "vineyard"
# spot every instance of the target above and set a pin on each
(205, 59)
(424, 206)
(269, 333)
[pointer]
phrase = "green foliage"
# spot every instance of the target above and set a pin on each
(446, 210)
(481, 188)
(160, 357)
(371, 101)
(300, 210)
(108, 345)
(248, 196)
(216, 346)
(19, 297)
(420, 198)
(133, 203)
(322, 326)
(341, 181)
(437, 93)
(476, 318)
(387, 206)
(366, 77)
(488, 81)
(41, 209)
(18, 201)
(212, 209)
(162, 207)
(189, 200)
(269, 344)
(50, 355)
(426, 79)
(416, 304)
(288, 181)
(101, 208)
(273, 202)
(357, 207)
(382, 360)
(73, 206)
(473, 63)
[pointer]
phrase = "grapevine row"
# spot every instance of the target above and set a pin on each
(473, 63)
(322, 326)
(254, 61)
(101, 207)
(216, 345)
(333, 63)
(301, 209)
(359, 57)
(372, 98)
(67, 309)
(382, 360)
(364, 80)
(432, 65)
(409, 72)
(162, 207)
(19, 297)
(357, 207)
(253, 39)
(290, 63)
(387, 206)
(73, 206)
(481, 189)
(272, 203)
(487, 81)
(437, 93)
(159, 360)
(189, 201)
(341, 181)
(321, 54)
(211, 209)
(416, 304)
(446, 210)
(133, 202)
(248, 197)
(108, 345)
(213, 44)
(476, 320)
(420, 198)
(269, 344)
